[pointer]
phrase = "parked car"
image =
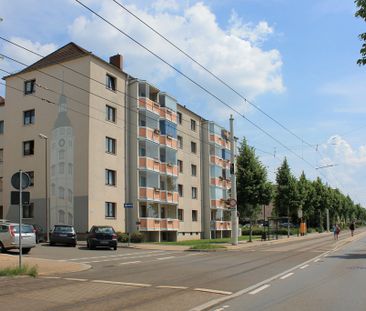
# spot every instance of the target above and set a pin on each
(9, 237)
(40, 233)
(63, 234)
(102, 236)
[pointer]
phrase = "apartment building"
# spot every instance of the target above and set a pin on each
(104, 139)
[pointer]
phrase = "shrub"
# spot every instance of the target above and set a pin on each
(122, 237)
(137, 237)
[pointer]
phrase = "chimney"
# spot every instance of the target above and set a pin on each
(117, 60)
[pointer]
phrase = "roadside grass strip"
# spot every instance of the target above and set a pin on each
(23, 270)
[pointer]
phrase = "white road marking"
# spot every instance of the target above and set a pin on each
(286, 276)
(305, 266)
(173, 287)
(74, 279)
(219, 309)
(165, 258)
(121, 258)
(214, 291)
(259, 289)
(316, 260)
(121, 283)
(51, 277)
(129, 262)
(111, 256)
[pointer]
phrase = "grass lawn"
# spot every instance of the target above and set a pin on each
(208, 241)
(23, 270)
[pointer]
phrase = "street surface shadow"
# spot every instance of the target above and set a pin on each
(350, 256)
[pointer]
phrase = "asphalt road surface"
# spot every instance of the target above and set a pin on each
(130, 279)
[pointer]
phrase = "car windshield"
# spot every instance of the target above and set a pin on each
(63, 229)
(103, 230)
(25, 229)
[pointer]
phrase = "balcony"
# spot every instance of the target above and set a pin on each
(216, 139)
(168, 114)
(218, 203)
(169, 224)
(169, 141)
(217, 161)
(148, 104)
(169, 196)
(158, 224)
(150, 134)
(149, 164)
(220, 225)
(149, 194)
(169, 169)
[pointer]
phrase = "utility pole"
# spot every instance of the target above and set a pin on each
(234, 207)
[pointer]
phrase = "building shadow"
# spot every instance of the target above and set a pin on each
(349, 256)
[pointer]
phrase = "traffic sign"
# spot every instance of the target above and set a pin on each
(232, 202)
(128, 205)
(15, 180)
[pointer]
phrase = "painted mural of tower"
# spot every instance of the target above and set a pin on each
(62, 167)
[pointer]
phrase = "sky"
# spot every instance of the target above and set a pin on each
(294, 60)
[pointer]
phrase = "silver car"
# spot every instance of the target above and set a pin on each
(9, 237)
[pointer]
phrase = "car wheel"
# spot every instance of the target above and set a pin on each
(2, 248)
(25, 250)
(52, 243)
(73, 245)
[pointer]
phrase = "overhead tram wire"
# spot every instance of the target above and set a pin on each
(211, 73)
(193, 81)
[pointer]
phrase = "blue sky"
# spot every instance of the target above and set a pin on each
(296, 60)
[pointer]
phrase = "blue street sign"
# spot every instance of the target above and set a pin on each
(128, 205)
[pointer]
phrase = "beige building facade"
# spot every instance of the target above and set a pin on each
(103, 139)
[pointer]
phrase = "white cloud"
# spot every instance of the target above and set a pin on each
(232, 54)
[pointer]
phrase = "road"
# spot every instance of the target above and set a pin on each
(131, 279)
(335, 281)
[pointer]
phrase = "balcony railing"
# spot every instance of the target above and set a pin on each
(169, 141)
(151, 194)
(169, 196)
(158, 224)
(151, 134)
(149, 163)
(150, 105)
(168, 114)
(169, 169)
(220, 225)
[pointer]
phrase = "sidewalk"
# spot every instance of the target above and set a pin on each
(45, 266)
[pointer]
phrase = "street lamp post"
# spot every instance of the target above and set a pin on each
(45, 138)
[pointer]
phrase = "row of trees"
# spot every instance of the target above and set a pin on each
(290, 194)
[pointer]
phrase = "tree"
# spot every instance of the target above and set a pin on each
(286, 196)
(361, 12)
(253, 189)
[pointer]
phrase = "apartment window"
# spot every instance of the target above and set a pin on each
(110, 177)
(179, 117)
(111, 82)
(28, 117)
(194, 215)
(61, 192)
(180, 214)
(28, 147)
(28, 211)
(180, 166)
(110, 145)
(180, 142)
(110, 209)
(110, 113)
(31, 175)
(194, 170)
(1, 155)
(1, 127)
(29, 86)
(194, 193)
(61, 168)
(193, 147)
(180, 190)
(193, 125)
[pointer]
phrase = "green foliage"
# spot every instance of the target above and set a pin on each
(23, 270)
(207, 247)
(122, 237)
(253, 189)
(361, 12)
(137, 237)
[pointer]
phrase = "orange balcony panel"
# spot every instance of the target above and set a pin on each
(169, 196)
(149, 134)
(217, 182)
(168, 114)
(149, 194)
(163, 196)
(217, 203)
(221, 225)
(226, 183)
(217, 161)
(149, 224)
(170, 224)
(169, 169)
(148, 104)
(168, 141)
(149, 163)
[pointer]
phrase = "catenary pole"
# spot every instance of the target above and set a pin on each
(234, 209)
